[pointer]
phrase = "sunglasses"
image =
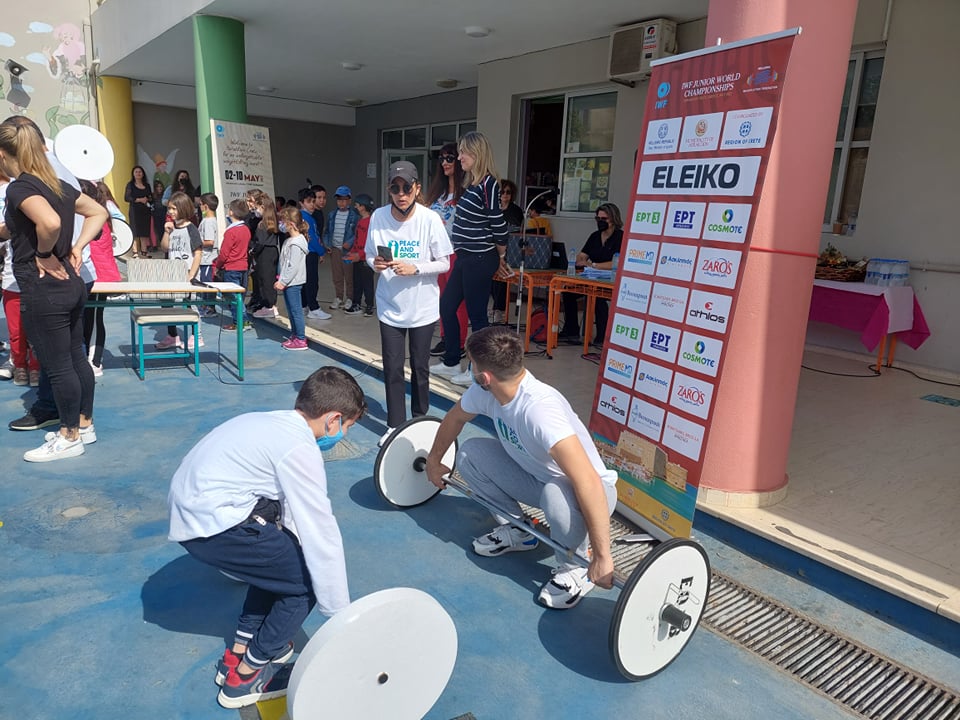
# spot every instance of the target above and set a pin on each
(448, 158)
(398, 189)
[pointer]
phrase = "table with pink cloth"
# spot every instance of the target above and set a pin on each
(876, 312)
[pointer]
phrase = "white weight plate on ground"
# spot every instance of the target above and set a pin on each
(389, 654)
(676, 573)
(84, 151)
(122, 237)
(399, 470)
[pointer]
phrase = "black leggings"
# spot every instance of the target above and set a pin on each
(266, 274)
(392, 350)
(52, 314)
(93, 317)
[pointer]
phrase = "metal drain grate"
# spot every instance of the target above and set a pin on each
(860, 679)
(857, 677)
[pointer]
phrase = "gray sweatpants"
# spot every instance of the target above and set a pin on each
(486, 467)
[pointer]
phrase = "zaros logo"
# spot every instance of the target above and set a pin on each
(646, 419)
(627, 331)
(685, 219)
(709, 310)
(700, 353)
(746, 128)
(735, 176)
(677, 261)
(613, 403)
(663, 89)
(663, 136)
(620, 368)
(653, 380)
(701, 132)
(717, 267)
(727, 222)
(647, 217)
(641, 256)
(634, 294)
(660, 341)
(691, 395)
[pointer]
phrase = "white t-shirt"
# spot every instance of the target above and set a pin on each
(209, 230)
(271, 455)
(409, 300)
(535, 420)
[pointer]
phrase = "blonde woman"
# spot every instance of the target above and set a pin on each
(480, 243)
(39, 220)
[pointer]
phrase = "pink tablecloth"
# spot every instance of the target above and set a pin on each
(871, 310)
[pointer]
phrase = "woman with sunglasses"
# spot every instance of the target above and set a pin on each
(480, 242)
(442, 197)
(408, 247)
(598, 253)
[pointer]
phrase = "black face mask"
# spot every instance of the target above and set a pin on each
(403, 212)
(602, 225)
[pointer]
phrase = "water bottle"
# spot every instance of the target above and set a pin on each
(616, 262)
(852, 224)
(572, 263)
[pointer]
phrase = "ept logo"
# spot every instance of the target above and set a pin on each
(663, 89)
(660, 341)
(709, 311)
(727, 222)
(718, 267)
(685, 219)
(627, 331)
(648, 217)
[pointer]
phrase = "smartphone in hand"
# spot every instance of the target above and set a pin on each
(384, 252)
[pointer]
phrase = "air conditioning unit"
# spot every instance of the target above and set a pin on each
(632, 47)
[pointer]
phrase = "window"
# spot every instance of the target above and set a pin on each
(569, 138)
(854, 132)
(410, 143)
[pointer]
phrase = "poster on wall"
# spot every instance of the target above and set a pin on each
(241, 162)
(709, 124)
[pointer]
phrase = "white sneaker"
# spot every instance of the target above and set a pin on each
(386, 436)
(57, 448)
(319, 314)
(190, 342)
(170, 341)
(498, 317)
(97, 369)
(445, 371)
(564, 590)
(6, 370)
(335, 304)
(267, 312)
(503, 539)
(464, 379)
(88, 435)
(347, 304)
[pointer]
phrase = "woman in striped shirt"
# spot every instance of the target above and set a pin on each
(480, 243)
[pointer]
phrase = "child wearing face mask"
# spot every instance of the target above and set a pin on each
(251, 500)
(292, 274)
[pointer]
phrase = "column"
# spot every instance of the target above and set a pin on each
(221, 80)
(746, 456)
(115, 118)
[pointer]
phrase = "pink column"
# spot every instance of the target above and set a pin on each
(753, 418)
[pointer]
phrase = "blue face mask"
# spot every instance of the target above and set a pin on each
(283, 227)
(328, 441)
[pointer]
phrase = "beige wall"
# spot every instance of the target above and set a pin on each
(48, 39)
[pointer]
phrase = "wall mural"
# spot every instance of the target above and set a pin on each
(45, 72)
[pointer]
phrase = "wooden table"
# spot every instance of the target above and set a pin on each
(880, 314)
(592, 289)
(533, 279)
(157, 294)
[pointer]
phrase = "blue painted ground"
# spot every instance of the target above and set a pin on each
(103, 618)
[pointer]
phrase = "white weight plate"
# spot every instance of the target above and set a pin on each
(398, 472)
(122, 237)
(389, 654)
(676, 572)
(84, 151)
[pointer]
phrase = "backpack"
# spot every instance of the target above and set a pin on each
(538, 326)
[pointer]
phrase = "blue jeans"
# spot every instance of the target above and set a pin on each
(280, 595)
(291, 296)
(469, 282)
(240, 278)
(486, 467)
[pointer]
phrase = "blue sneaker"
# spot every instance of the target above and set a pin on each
(267, 683)
(503, 539)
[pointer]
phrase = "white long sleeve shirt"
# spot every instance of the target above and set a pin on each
(271, 455)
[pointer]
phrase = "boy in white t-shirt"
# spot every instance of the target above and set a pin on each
(543, 456)
(210, 239)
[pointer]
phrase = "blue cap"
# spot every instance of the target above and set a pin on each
(343, 191)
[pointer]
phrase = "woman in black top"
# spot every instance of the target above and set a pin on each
(39, 220)
(140, 197)
(512, 213)
(597, 253)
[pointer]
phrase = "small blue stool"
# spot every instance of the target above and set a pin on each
(186, 318)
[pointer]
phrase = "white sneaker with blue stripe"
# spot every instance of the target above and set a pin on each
(503, 539)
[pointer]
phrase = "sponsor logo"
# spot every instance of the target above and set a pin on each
(701, 132)
(620, 368)
(641, 256)
(709, 311)
(684, 436)
(764, 75)
(731, 176)
(662, 136)
(634, 294)
(677, 261)
(727, 222)
(660, 341)
(653, 380)
(717, 267)
(627, 331)
(700, 353)
(668, 301)
(646, 419)
(746, 128)
(685, 219)
(663, 130)
(663, 89)
(701, 128)
(648, 217)
(691, 395)
(613, 403)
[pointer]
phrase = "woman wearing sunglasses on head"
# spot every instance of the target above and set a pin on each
(480, 242)
(408, 247)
